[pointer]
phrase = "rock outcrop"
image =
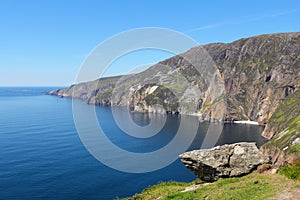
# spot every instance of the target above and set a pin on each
(224, 161)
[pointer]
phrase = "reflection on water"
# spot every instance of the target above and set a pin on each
(231, 133)
(42, 156)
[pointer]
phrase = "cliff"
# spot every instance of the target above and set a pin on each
(284, 130)
(93, 92)
(258, 73)
(256, 78)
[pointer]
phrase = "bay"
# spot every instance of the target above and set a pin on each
(42, 156)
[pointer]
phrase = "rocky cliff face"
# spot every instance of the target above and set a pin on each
(255, 78)
(94, 92)
(257, 74)
(284, 129)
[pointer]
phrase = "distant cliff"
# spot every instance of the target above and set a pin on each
(253, 78)
(258, 73)
(93, 92)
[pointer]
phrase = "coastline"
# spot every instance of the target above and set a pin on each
(189, 114)
(244, 122)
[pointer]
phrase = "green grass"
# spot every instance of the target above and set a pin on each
(295, 124)
(291, 101)
(254, 186)
(104, 95)
(205, 106)
(286, 118)
(162, 189)
(293, 149)
(249, 187)
(291, 171)
(288, 113)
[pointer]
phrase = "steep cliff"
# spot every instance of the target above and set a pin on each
(259, 72)
(94, 92)
(253, 75)
(284, 129)
(256, 79)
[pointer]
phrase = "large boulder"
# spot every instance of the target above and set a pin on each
(224, 161)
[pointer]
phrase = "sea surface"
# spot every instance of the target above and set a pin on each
(42, 156)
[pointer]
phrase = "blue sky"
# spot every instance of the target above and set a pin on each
(43, 43)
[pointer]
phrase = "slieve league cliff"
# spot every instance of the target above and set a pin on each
(256, 78)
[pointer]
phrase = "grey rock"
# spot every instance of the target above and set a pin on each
(224, 161)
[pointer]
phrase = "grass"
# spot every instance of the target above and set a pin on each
(293, 148)
(162, 189)
(287, 114)
(291, 171)
(286, 122)
(295, 124)
(205, 106)
(254, 186)
(104, 95)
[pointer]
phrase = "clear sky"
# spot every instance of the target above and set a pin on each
(43, 43)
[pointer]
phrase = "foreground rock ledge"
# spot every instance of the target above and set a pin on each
(224, 161)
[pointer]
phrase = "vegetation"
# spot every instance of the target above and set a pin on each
(205, 106)
(104, 95)
(287, 115)
(162, 189)
(253, 186)
(291, 171)
(162, 96)
(293, 148)
(286, 122)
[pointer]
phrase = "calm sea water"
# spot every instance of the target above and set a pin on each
(42, 156)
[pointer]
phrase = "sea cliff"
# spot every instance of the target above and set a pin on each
(256, 79)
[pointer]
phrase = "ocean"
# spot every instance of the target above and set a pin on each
(42, 156)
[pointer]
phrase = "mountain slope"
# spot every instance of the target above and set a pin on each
(255, 78)
(257, 74)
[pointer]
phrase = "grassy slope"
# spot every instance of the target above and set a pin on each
(252, 186)
(285, 122)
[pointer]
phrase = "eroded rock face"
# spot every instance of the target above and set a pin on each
(258, 73)
(284, 131)
(224, 161)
